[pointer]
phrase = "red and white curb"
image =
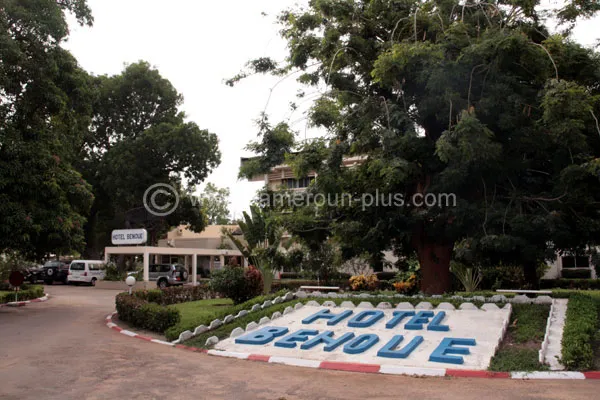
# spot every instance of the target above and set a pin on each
(367, 368)
(24, 303)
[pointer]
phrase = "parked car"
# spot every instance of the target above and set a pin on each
(168, 274)
(34, 273)
(86, 271)
(55, 271)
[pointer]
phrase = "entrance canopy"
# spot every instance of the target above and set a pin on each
(148, 251)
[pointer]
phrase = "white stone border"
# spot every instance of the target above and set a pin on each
(551, 350)
(23, 303)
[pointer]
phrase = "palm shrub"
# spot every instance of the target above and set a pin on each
(469, 277)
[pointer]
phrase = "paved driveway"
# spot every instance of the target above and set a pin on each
(62, 349)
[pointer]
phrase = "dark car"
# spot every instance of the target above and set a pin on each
(55, 271)
(34, 273)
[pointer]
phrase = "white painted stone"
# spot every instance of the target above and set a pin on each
(384, 305)
(228, 319)
(277, 300)
(298, 306)
(542, 300)
(520, 299)
(461, 323)
(498, 298)
(490, 307)
(329, 303)
(301, 294)
(552, 344)
(479, 298)
(237, 332)
(251, 326)
(297, 362)
(446, 306)
(347, 304)
(332, 295)
(467, 306)
(255, 307)
(364, 295)
(200, 329)
(398, 295)
(313, 303)
(412, 371)
(405, 306)
(183, 336)
(211, 341)
(231, 354)
(365, 304)
(215, 324)
(289, 296)
(264, 320)
(276, 315)
(266, 304)
(242, 313)
(316, 293)
(424, 305)
(547, 375)
(288, 310)
(436, 296)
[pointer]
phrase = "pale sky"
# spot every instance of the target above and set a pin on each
(198, 44)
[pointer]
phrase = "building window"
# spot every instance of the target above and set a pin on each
(575, 262)
(292, 183)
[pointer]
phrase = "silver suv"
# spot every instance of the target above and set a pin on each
(168, 274)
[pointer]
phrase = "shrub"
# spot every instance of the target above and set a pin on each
(254, 281)
(144, 315)
(507, 276)
(580, 327)
(26, 293)
(576, 273)
(583, 284)
(175, 294)
(234, 283)
(469, 277)
(364, 282)
(408, 286)
(386, 276)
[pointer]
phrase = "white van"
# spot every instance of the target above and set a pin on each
(86, 271)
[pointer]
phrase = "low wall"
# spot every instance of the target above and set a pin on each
(122, 286)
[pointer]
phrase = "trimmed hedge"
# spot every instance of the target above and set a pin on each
(580, 329)
(386, 276)
(576, 273)
(175, 294)
(28, 293)
(142, 314)
(583, 284)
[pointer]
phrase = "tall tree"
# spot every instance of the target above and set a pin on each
(215, 204)
(139, 138)
(45, 108)
(475, 99)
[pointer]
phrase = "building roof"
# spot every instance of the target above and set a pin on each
(210, 232)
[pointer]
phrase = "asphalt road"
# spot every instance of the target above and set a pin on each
(62, 349)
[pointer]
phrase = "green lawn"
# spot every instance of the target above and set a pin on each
(192, 313)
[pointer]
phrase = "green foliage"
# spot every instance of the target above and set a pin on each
(576, 273)
(581, 326)
(196, 316)
(469, 277)
(582, 284)
(175, 294)
(236, 283)
(142, 314)
(215, 204)
(26, 293)
(528, 322)
(483, 103)
(517, 359)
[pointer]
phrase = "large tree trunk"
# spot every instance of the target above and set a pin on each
(530, 272)
(434, 259)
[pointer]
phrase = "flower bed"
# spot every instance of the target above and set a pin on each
(30, 293)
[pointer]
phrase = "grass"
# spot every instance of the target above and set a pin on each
(194, 312)
(519, 349)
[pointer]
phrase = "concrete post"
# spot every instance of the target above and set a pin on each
(186, 264)
(146, 266)
(222, 260)
(195, 269)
